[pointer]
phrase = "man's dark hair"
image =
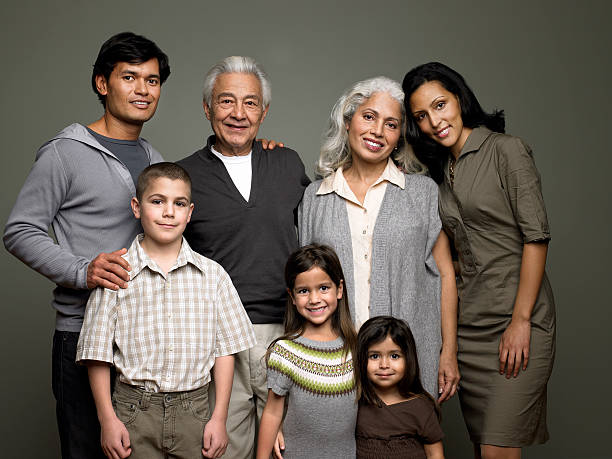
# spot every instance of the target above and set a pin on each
(127, 47)
(168, 170)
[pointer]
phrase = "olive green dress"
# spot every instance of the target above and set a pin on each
(494, 207)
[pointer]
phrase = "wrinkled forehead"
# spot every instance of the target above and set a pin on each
(238, 84)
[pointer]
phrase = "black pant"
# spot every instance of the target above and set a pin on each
(77, 421)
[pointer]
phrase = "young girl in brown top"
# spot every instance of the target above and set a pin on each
(397, 418)
(492, 209)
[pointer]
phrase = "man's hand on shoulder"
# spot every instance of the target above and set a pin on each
(109, 270)
(268, 144)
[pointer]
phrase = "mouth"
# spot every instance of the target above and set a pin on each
(317, 310)
(373, 145)
(142, 104)
(384, 375)
(167, 225)
(235, 127)
(443, 133)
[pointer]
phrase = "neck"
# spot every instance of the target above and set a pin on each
(364, 173)
(228, 150)
(390, 396)
(323, 332)
(164, 255)
(458, 146)
(109, 126)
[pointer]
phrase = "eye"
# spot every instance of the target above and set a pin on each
(325, 288)
(153, 81)
(373, 356)
(181, 203)
(440, 105)
(396, 356)
(226, 102)
(392, 125)
(301, 291)
(128, 77)
(368, 116)
(156, 201)
(419, 117)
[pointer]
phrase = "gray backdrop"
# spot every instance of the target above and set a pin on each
(546, 63)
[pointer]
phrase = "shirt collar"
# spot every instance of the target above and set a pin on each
(336, 183)
(475, 140)
(139, 259)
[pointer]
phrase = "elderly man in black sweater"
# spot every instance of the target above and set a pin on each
(246, 200)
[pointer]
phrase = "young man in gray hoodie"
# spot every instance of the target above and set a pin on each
(81, 184)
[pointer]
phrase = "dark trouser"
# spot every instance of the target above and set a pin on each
(77, 420)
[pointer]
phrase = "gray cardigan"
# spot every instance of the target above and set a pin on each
(404, 280)
(83, 191)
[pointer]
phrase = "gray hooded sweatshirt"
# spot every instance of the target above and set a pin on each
(83, 191)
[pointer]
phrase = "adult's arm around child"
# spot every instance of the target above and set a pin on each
(114, 437)
(215, 433)
(271, 420)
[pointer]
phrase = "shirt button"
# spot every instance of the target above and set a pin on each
(364, 231)
(169, 316)
(170, 348)
(365, 256)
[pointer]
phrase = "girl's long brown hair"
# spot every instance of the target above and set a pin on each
(324, 258)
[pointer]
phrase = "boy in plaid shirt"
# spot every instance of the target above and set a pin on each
(179, 319)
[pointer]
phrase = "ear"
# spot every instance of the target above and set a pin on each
(265, 112)
(136, 207)
(290, 293)
(340, 290)
(101, 84)
(190, 212)
(206, 109)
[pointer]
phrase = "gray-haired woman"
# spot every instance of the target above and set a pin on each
(384, 225)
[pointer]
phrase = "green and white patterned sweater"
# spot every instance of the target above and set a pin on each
(317, 379)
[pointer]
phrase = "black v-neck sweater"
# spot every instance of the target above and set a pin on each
(251, 240)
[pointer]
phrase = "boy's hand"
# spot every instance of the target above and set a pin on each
(115, 439)
(215, 438)
(108, 270)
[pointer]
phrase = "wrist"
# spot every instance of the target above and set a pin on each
(107, 416)
(449, 349)
(219, 416)
(521, 319)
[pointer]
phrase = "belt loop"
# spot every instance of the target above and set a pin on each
(145, 400)
(185, 400)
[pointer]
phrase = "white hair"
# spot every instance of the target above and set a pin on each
(237, 64)
(335, 150)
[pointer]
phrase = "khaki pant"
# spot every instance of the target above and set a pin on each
(165, 424)
(249, 394)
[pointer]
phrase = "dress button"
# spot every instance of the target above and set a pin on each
(365, 256)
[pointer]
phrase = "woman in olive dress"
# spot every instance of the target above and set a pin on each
(491, 207)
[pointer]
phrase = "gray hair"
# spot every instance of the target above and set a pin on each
(237, 64)
(335, 150)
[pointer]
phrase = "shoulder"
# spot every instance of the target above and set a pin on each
(420, 184)
(421, 404)
(505, 144)
(191, 160)
(312, 188)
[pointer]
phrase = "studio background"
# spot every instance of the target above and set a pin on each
(546, 63)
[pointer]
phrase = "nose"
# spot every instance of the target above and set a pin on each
(141, 87)
(168, 210)
(377, 128)
(434, 119)
(238, 112)
(314, 297)
(383, 362)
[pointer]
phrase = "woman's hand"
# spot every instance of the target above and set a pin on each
(514, 347)
(448, 375)
(268, 144)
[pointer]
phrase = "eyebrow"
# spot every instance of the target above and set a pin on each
(377, 113)
(229, 94)
(158, 195)
(135, 73)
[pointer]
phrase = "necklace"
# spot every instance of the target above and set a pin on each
(451, 170)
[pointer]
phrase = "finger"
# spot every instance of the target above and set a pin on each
(503, 357)
(510, 363)
(453, 391)
(114, 454)
(207, 440)
(117, 265)
(525, 358)
(445, 395)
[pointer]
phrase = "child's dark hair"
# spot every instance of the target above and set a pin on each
(127, 47)
(158, 170)
(374, 331)
(300, 261)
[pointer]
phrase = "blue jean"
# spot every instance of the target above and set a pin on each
(75, 409)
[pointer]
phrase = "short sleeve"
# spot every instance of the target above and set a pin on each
(279, 380)
(98, 332)
(434, 224)
(234, 331)
(521, 182)
(430, 430)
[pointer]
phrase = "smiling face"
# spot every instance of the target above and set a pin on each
(132, 92)
(375, 129)
(438, 115)
(164, 211)
(386, 366)
(236, 113)
(315, 297)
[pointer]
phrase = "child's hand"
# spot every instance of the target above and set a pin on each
(215, 438)
(279, 445)
(115, 439)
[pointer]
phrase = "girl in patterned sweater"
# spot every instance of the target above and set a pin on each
(310, 367)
